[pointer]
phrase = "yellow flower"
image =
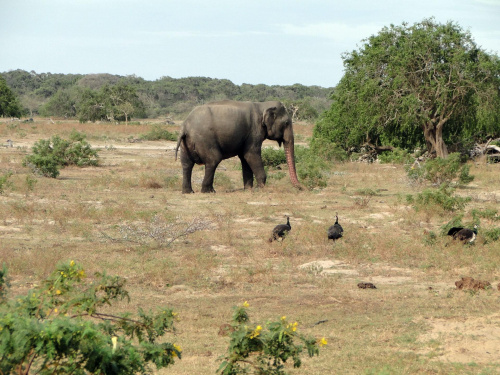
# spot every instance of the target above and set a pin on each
(72, 263)
(114, 340)
(246, 304)
(256, 332)
(294, 326)
(55, 310)
(283, 317)
(81, 273)
(178, 348)
(58, 291)
(323, 342)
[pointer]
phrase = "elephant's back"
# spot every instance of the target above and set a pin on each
(224, 117)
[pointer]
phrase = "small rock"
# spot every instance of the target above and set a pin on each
(366, 286)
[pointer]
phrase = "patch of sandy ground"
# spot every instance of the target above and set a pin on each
(465, 341)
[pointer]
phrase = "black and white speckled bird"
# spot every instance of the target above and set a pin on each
(280, 231)
(465, 235)
(335, 231)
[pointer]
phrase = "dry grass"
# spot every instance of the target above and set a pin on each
(203, 274)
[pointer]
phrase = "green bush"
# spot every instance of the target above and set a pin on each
(396, 156)
(58, 328)
(158, 133)
(4, 181)
(52, 154)
(492, 234)
(4, 283)
(439, 171)
(330, 151)
(264, 350)
(488, 213)
(311, 167)
(442, 197)
(273, 157)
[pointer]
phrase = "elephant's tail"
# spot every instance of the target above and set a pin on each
(182, 136)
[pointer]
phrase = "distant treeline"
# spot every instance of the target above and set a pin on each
(113, 97)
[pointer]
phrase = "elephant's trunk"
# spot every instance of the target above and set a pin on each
(290, 160)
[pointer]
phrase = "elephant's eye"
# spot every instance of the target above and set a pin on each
(287, 123)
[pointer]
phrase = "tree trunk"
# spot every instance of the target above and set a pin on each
(441, 149)
(433, 134)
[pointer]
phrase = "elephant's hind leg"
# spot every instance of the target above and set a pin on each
(187, 171)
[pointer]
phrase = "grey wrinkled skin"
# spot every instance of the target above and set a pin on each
(221, 130)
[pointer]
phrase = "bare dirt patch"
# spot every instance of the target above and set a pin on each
(466, 340)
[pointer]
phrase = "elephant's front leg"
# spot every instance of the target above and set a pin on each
(247, 174)
(254, 160)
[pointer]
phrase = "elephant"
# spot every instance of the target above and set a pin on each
(220, 130)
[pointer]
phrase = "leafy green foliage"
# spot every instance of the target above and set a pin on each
(330, 151)
(488, 213)
(428, 84)
(4, 181)
(158, 133)
(396, 156)
(273, 157)
(492, 234)
(112, 103)
(264, 350)
(442, 171)
(4, 282)
(50, 155)
(311, 168)
(62, 104)
(443, 197)
(58, 327)
(9, 104)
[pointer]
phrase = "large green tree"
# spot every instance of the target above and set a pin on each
(428, 84)
(9, 104)
(114, 103)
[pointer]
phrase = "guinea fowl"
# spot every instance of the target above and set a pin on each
(281, 230)
(335, 231)
(465, 235)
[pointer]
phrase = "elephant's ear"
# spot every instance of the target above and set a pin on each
(268, 117)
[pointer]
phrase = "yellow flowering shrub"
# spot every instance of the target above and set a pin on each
(264, 350)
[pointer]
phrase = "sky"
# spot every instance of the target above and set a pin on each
(274, 42)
